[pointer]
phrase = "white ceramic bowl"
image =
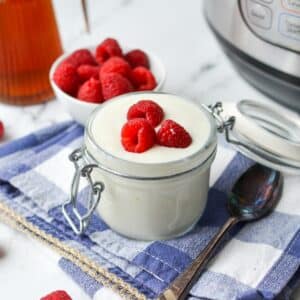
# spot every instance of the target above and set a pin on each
(81, 110)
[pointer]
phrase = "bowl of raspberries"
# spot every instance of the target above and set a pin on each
(87, 77)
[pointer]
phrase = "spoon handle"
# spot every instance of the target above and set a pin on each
(181, 286)
(85, 15)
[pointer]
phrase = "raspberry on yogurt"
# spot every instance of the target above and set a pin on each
(137, 135)
(147, 109)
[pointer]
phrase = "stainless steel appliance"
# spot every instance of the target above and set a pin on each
(262, 39)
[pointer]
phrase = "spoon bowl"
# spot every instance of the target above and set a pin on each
(256, 193)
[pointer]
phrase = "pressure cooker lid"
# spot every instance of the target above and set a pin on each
(268, 135)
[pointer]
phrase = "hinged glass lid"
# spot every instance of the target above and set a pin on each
(268, 135)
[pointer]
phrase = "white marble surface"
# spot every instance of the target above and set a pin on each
(177, 32)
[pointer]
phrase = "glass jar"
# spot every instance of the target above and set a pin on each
(146, 201)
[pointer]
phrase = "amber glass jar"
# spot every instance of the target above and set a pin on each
(29, 43)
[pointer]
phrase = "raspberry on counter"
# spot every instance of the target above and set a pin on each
(2, 130)
(137, 135)
(114, 84)
(171, 134)
(108, 48)
(57, 295)
(143, 79)
(81, 57)
(148, 110)
(91, 91)
(137, 58)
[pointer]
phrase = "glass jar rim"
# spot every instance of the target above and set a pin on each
(138, 169)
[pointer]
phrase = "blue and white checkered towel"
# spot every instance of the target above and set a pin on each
(259, 262)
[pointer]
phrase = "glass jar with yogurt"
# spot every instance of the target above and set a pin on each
(157, 194)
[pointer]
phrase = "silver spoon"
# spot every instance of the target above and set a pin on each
(253, 196)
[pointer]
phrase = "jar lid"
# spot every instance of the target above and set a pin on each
(267, 134)
(103, 138)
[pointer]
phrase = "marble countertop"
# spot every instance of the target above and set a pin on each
(196, 67)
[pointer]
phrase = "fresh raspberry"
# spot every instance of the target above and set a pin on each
(85, 72)
(143, 79)
(137, 135)
(116, 65)
(108, 48)
(91, 91)
(148, 110)
(66, 77)
(57, 295)
(171, 134)
(2, 130)
(81, 57)
(137, 58)
(114, 84)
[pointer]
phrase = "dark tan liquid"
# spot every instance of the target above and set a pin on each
(29, 43)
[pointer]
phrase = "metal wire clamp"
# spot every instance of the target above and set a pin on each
(224, 125)
(96, 188)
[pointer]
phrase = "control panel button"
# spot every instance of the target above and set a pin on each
(259, 15)
(293, 5)
(289, 26)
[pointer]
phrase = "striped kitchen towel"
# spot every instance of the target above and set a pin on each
(260, 260)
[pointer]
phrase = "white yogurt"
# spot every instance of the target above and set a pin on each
(109, 121)
(162, 192)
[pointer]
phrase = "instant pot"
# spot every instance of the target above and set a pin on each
(262, 39)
